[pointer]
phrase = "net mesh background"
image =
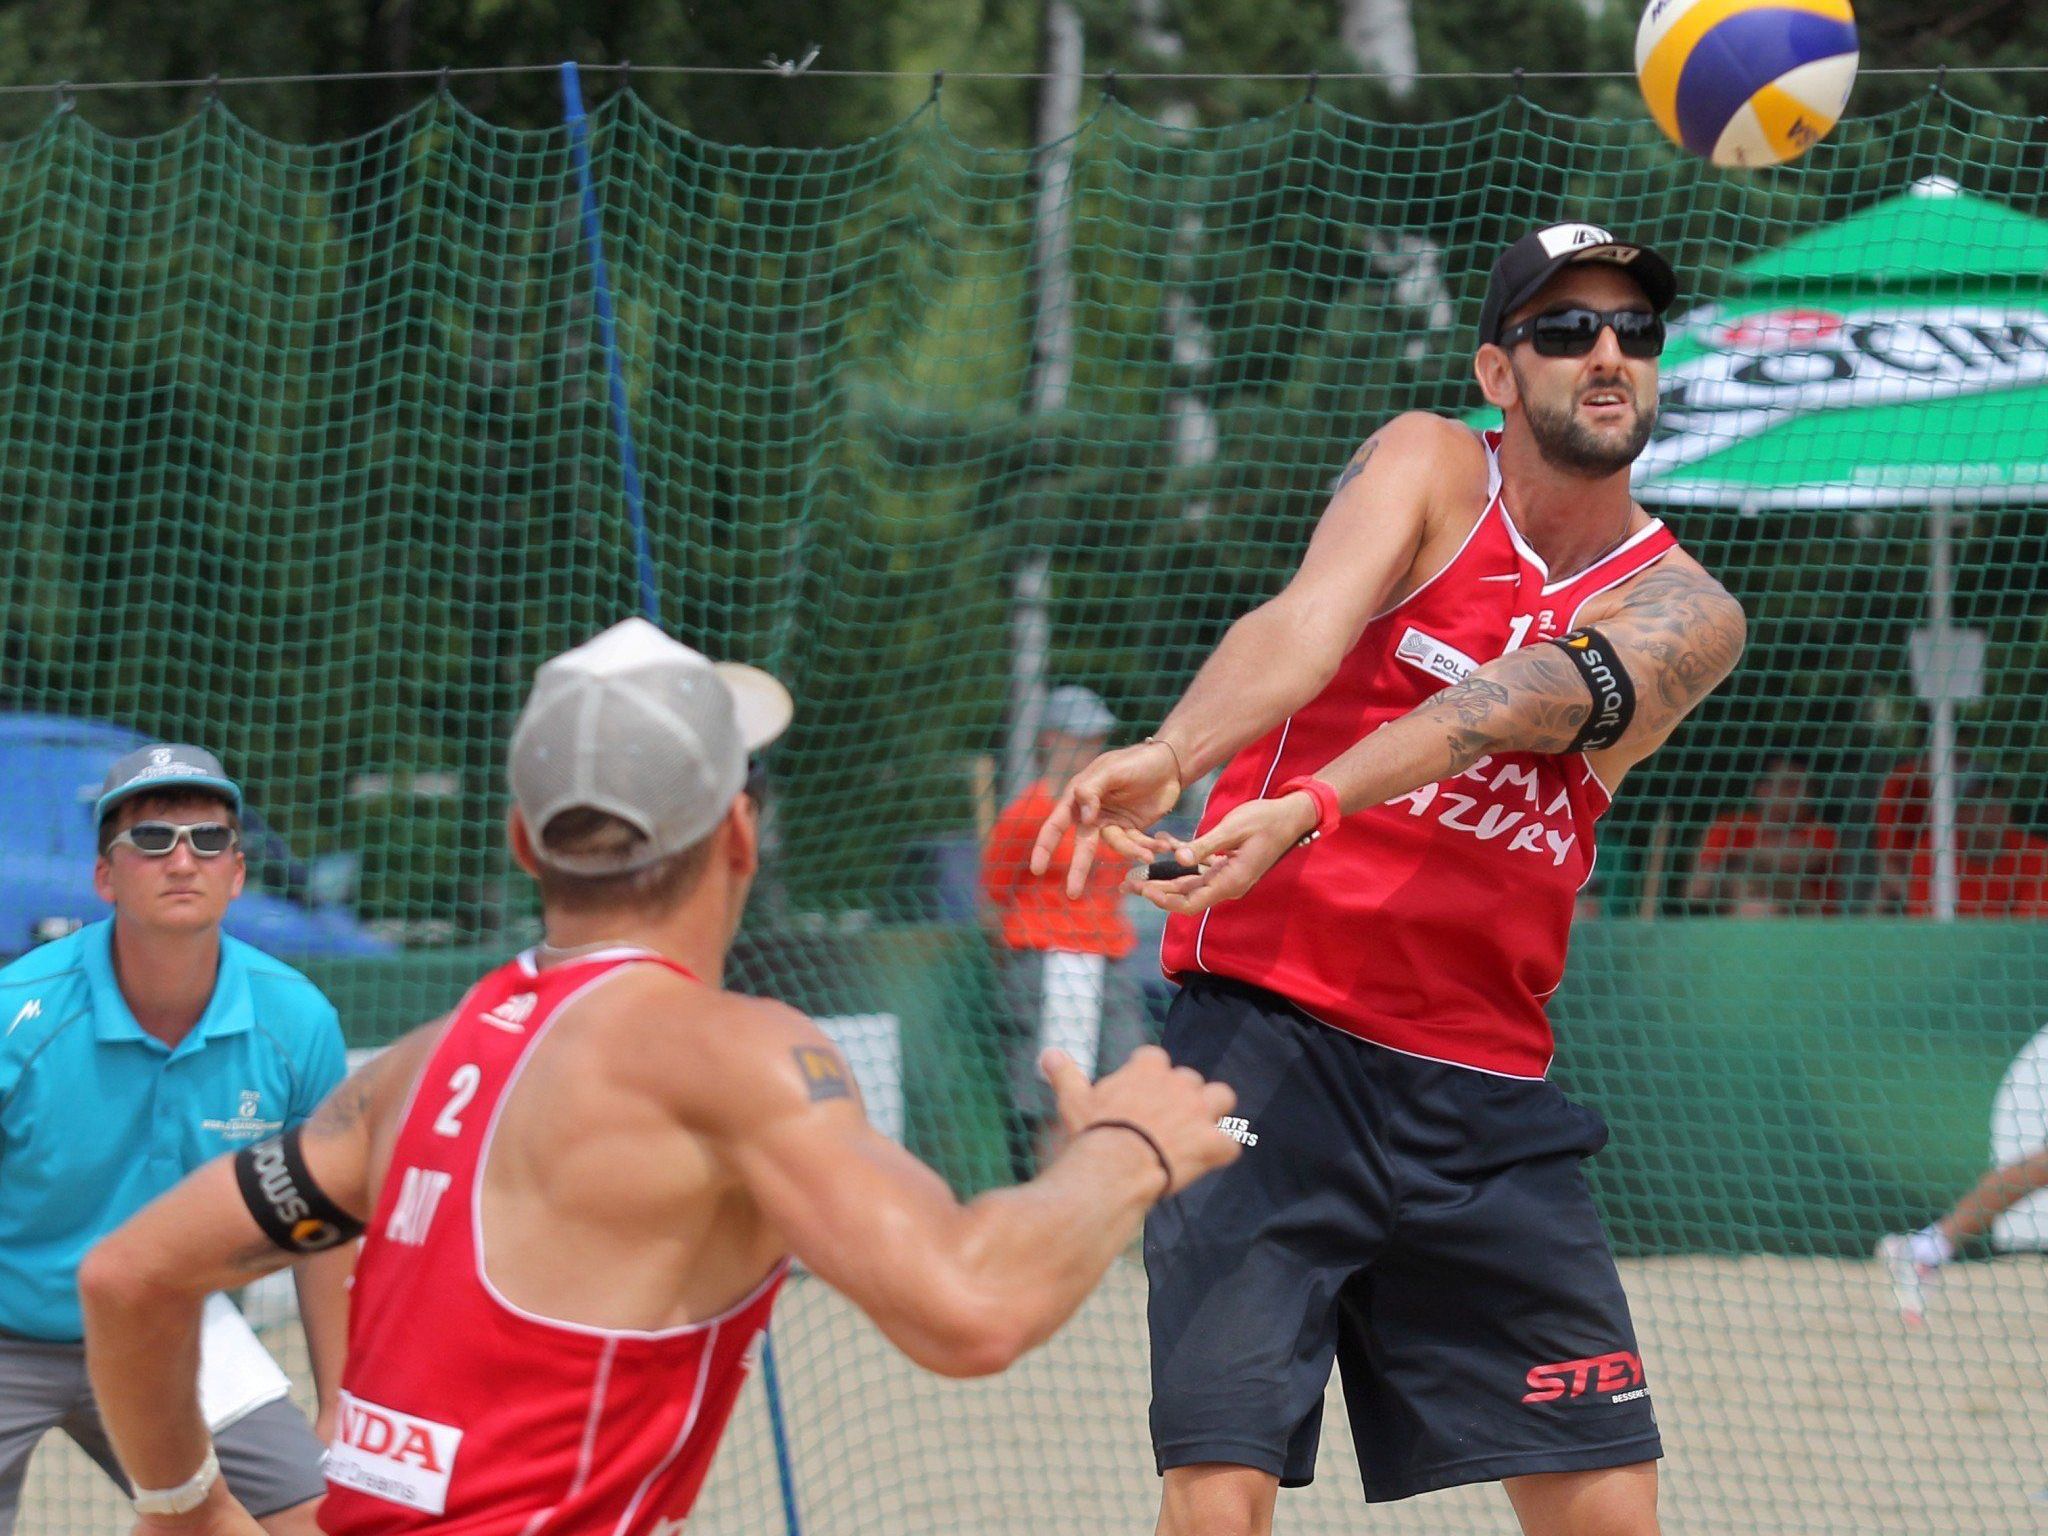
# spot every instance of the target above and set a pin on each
(309, 458)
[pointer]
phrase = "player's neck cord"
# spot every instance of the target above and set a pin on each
(554, 953)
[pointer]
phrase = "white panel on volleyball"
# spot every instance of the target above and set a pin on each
(1822, 86)
(1744, 142)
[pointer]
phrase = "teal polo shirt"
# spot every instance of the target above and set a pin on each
(98, 1118)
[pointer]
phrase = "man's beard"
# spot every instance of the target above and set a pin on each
(1568, 444)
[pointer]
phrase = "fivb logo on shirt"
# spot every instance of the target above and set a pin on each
(392, 1455)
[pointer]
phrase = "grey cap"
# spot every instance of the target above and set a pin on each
(165, 765)
(1077, 711)
(643, 728)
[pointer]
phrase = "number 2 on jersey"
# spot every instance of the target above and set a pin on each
(462, 1085)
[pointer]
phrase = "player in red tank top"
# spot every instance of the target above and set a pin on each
(1416, 737)
(582, 1189)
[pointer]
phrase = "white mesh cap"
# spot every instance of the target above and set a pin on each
(643, 728)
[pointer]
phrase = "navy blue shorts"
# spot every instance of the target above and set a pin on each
(1425, 1227)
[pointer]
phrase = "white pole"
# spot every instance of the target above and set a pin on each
(1941, 752)
(1052, 367)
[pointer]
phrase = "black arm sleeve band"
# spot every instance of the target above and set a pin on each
(1614, 696)
(292, 1210)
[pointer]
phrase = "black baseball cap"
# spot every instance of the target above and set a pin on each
(1524, 267)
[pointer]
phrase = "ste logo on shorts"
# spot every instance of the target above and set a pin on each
(1618, 1377)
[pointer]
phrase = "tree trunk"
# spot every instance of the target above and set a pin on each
(1380, 34)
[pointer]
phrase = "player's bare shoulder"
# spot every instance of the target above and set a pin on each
(1435, 471)
(718, 1060)
(1422, 447)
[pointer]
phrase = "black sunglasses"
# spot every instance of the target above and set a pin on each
(1576, 331)
(158, 839)
(756, 786)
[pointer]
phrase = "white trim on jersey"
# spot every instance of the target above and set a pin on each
(1442, 1061)
(1479, 522)
(1628, 575)
(476, 1202)
(589, 1446)
(525, 961)
(1522, 547)
(682, 1436)
(1279, 750)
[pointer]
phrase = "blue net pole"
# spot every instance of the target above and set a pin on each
(650, 604)
(608, 334)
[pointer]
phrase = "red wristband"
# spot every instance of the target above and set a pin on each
(1327, 813)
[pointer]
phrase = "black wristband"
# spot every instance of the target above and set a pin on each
(292, 1210)
(1143, 1135)
(1614, 696)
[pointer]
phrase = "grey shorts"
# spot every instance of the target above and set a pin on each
(1091, 1011)
(269, 1458)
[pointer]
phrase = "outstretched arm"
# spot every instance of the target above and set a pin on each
(143, 1288)
(1996, 1193)
(963, 1289)
(1677, 633)
(1280, 655)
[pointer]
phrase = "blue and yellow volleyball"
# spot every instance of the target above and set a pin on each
(1747, 82)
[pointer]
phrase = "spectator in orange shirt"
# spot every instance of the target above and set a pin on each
(1059, 956)
(1774, 857)
(2000, 870)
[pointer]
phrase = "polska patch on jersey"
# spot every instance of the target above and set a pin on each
(1428, 654)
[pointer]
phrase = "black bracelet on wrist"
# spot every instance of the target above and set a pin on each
(1142, 1134)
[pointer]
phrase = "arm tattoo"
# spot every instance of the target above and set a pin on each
(1531, 701)
(1357, 465)
(824, 1073)
(1678, 633)
(343, 1110)
(1683, 632)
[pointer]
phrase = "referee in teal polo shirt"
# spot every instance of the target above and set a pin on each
(130, 1053)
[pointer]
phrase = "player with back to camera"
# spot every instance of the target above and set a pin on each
(583, 1187)
(1486, 633)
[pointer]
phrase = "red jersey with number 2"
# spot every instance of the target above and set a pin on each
(1437, 923)
(459, 1411)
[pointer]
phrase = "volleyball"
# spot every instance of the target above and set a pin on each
(1746, 82)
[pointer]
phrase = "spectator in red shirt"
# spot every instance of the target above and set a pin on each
(2001, 871)
(1905, 807)
(1774, 857)
(1058, 957)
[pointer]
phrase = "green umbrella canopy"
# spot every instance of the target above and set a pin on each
(1933, 237)
(1896, 358)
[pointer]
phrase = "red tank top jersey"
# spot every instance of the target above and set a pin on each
(1437, 923)
(462, 1413)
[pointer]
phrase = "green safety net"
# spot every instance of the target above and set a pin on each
(311, 457)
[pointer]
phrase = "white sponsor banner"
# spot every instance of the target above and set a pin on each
(392, 1456)
(1766, 369)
